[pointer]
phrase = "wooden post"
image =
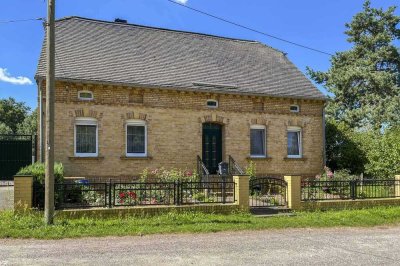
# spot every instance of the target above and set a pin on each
(50, 87)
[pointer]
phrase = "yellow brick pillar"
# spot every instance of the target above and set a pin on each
(293, 192)
(23, 189)
(397, 185)
(242, 191)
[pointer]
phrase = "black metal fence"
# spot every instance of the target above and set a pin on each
(268, 192)
(312, 190)
(86, 195)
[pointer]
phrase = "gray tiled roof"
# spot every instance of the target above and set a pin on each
(115, 53)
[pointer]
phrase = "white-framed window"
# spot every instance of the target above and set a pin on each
(258, 141)
(85, 95)
(294, 146)
(294, 108)
(136, 138)
(212, 103)
(86, 137)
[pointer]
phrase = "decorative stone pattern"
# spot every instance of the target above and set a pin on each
(174, 127)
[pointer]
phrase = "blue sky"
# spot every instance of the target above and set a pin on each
(316, 23)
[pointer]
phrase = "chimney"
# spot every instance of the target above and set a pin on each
(119, 20)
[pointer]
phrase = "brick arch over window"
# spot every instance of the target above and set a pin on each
(85, 112)
(260, 121)
(134, 115)
(214, 118)
(298, 122)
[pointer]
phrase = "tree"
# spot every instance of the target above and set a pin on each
(15, 117)
(365, 80)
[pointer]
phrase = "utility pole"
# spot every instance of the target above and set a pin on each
(50, 87)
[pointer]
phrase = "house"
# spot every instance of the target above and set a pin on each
(130, 97)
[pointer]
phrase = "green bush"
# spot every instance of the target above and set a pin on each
(37, 170)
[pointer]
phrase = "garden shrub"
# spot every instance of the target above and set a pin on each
(164, 175)
(37, 170)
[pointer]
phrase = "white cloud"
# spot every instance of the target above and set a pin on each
(181, 1)
(6, 77)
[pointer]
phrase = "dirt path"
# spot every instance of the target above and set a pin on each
(275, 247)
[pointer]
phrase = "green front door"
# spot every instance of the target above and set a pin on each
(212, 146)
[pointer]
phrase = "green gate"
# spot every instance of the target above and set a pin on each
(16, 151)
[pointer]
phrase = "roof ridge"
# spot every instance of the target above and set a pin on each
(159, 28)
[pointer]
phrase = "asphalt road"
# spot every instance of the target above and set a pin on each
(6, 198)
(374, 246)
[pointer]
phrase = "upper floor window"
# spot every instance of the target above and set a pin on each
(86, 137)
(85, 95)
(294, 108)
(294, 148)
(257, 141)
(136, 138)
(212, 103)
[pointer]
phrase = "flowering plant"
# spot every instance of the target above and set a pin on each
(171, 175)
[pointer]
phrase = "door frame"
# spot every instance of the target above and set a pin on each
(222, 145)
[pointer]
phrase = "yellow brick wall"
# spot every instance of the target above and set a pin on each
(174, 122)
(23, 192)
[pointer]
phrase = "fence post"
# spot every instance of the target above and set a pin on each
(397, 185)
(23, 192)
(109, 193)
(242, 191)
(353, 184)
(293, 192)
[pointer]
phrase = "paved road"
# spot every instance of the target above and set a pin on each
(376, 246)
(6, 198)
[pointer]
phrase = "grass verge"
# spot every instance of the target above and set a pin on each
(30, 225)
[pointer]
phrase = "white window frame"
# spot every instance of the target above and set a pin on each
(85, 121)
(299, 136)
(85, 99)
(294, 111)
(135, 122)
(265, 141)
(212, 100)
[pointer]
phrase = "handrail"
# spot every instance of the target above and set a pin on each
(234, 168)
(201, 168)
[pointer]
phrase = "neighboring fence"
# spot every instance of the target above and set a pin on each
(317, 190)
(267, 192)
(16, 151)
(84, 195)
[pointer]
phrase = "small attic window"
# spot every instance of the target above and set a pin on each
(212, 103)
(85, 95)
(294, 108)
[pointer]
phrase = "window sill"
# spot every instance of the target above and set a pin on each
(295, 159)
(93, 158)
(136, 158)
(266, 158)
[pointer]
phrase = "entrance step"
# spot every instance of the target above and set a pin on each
(270, 210)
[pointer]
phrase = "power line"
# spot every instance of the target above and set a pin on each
(250, 29)
(19, 20)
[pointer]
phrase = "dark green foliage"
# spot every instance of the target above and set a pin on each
(37, 170)
(16, 119)
(365, 80)
(344, 148)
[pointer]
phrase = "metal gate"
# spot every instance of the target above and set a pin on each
(16, 151)
(268, 192)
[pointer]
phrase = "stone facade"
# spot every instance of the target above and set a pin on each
(174, 129)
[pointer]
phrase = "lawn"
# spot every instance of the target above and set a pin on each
(30, 225)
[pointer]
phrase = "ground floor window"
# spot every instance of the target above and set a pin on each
(294, 142)
(86, 142)
(136, 138)
(257, 141)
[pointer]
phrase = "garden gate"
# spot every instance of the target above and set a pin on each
(267, 192)
(16, 151)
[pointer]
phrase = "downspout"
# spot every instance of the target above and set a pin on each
(41, 125)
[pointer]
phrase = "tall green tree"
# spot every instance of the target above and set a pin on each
(365, 80)
(15, 117)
